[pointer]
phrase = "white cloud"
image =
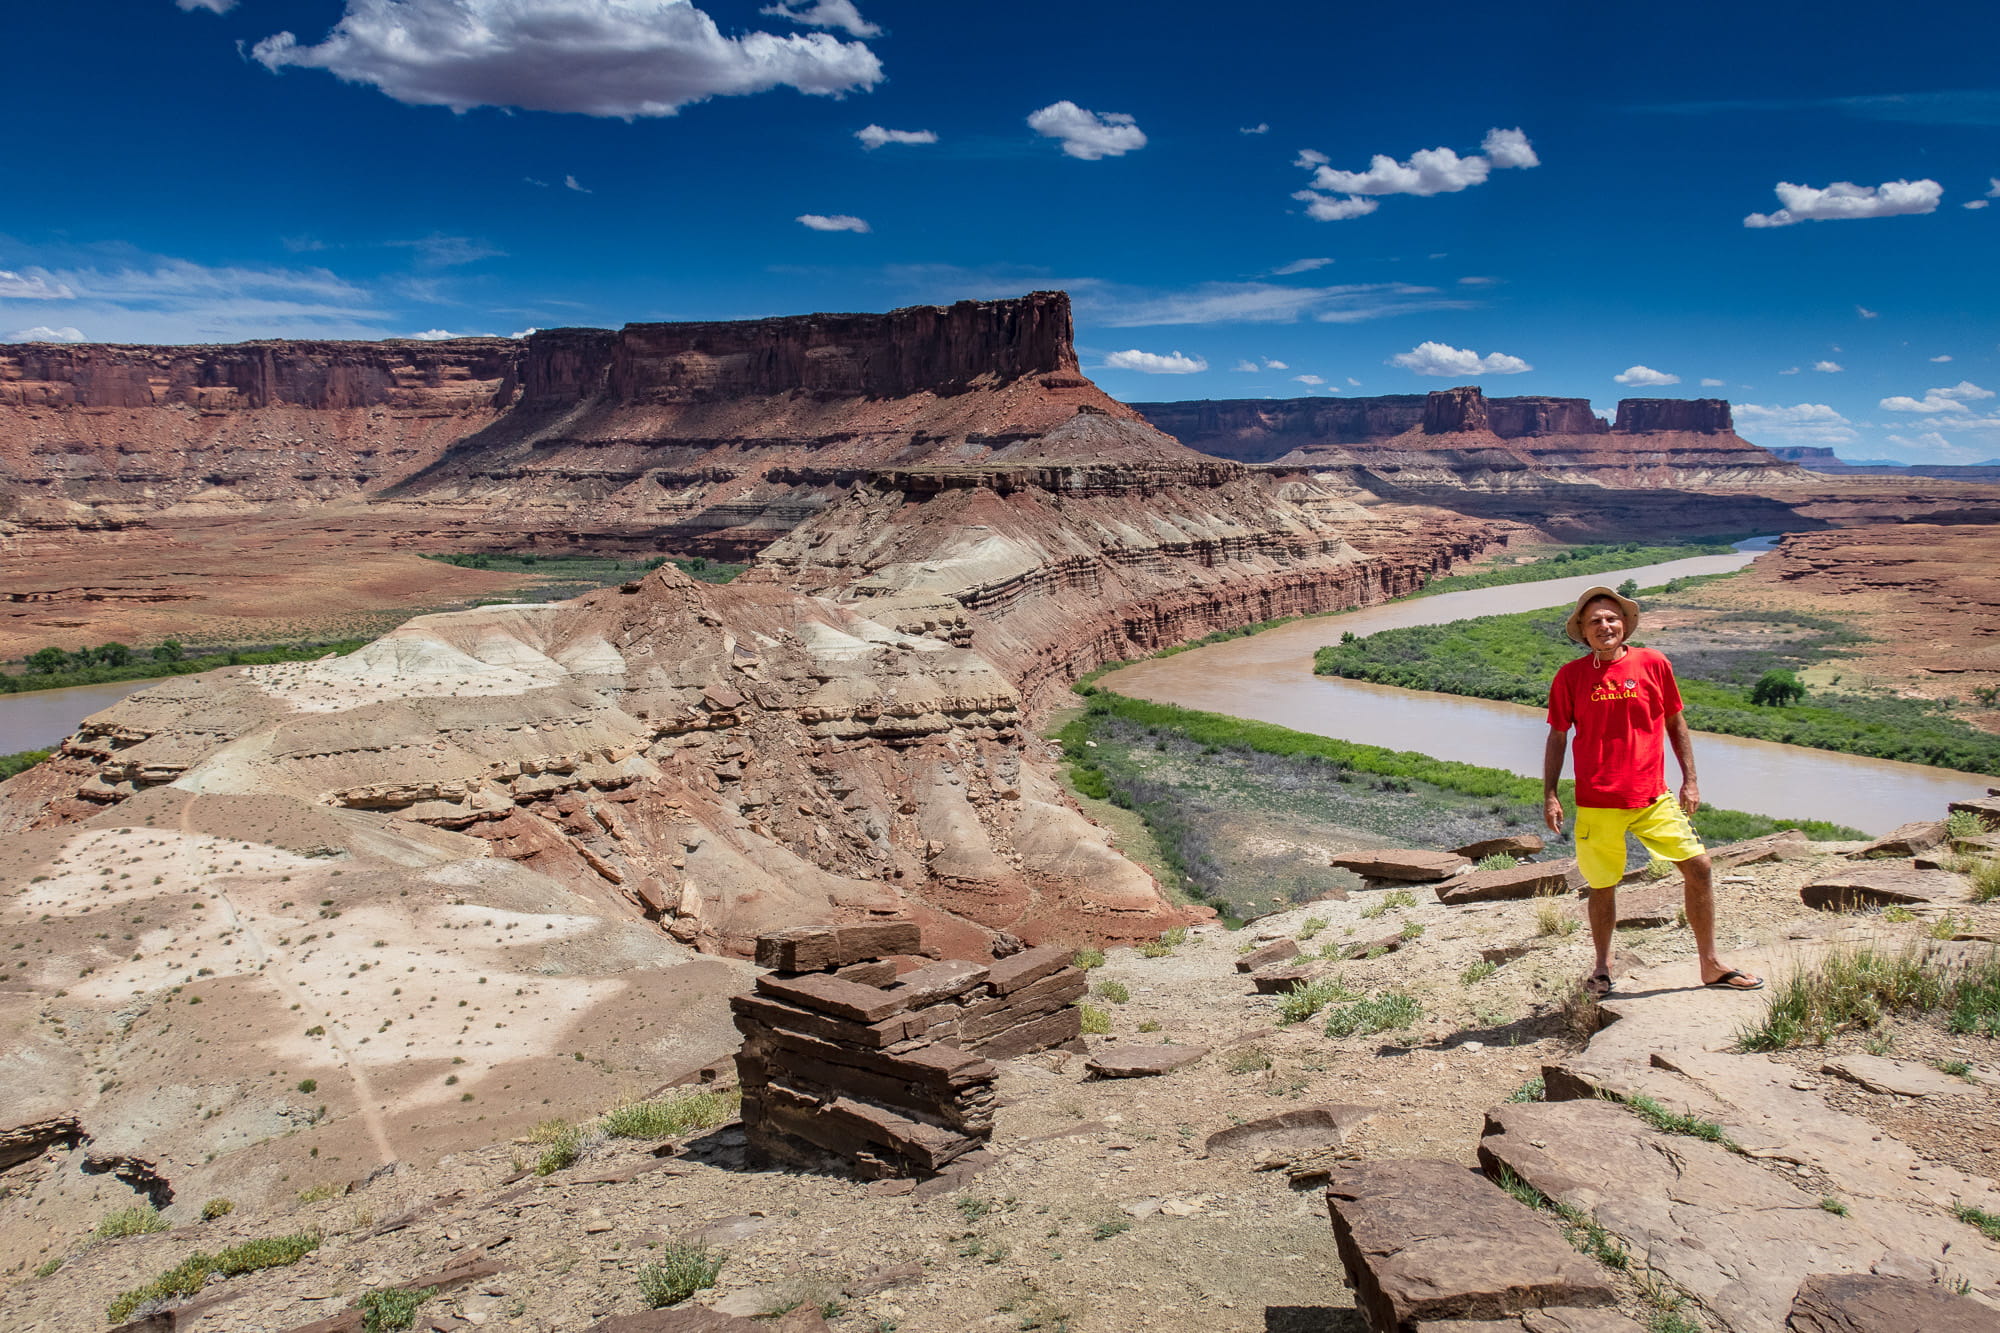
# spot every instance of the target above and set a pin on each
(570, 183)
(1434, 358)
(1789, 370)
(42, 333)
(448, 251)
(1299, 266)
(443, 335)
(1975, 203)
(1307, 379)
(1645, 376)
(1828, 367)
(874, 136)
(1478, 282)
(833, 222)
(1712, 384)
(33, 285)
(1993, 184)
(1951, 399)
(1801, 423)
(1509, 148)
(212, 6)
(1945, 357)
(1429, 171)
(622, 58)
(1325, 208)
(1355, 382)
(1088, 134)
(1845, 199)
(524, 333)
(1269, 364)
(1261, 127)
(1261, 302)
(1152, 363)
(1866, 313)
(825, 14)
(1245, 367)
(1931, 447)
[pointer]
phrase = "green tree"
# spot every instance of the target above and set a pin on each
(1629, 588)
(48, 660)
(169, 650)
(1776, 689)
(113, 655)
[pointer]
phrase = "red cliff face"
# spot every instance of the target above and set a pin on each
(1257, 430)
(1520, 418)
(1460, 411)
(1702, 416)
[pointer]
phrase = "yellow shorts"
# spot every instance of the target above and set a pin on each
(1662, 828)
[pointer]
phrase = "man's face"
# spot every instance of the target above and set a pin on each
(1603, 625)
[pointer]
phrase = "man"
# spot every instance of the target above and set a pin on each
(1623, 702)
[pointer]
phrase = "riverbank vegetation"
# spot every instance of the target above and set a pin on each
(1241, 812)
(1571, 561)
(1737, 673)
(21, 761)
(55, 669)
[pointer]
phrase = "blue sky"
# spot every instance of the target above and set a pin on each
(1539, 199)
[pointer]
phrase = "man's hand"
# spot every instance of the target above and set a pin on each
(1552, 815)
(1690, 797)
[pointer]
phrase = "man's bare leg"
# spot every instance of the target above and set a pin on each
(1603, 911)
(1698, 897)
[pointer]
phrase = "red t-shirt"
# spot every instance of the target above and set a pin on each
(1620, 714)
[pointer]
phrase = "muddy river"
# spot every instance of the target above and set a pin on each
(41, 718)
(1268, 678)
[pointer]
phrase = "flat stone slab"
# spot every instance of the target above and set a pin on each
(1280, 980)
(1373, 948)
(1885, 884)
(1910, 839)
(1514, 844)
(1407, 867)
(1641, 906)
(1566, 1319)
(1142, 1061)
(1277, 951)
(1523, 881)
(1431, 1240)
(1303, 1129)
(1865, 1303)
(1903, 1078)
(1986, 807)
(1779, 846)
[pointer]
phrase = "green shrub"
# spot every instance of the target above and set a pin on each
(1115, 991)
(139, 1220)
(1310, 927)
(564, 1147)
(308, 1085)
(1302, 1002)
(682, 1269)
(392, 1308)
(1088, 958)
(191, 1274)
(1174, 937)
(1531, 1091)
(1155, 949)
(49, 1267)
(669, 1117)
(1096, 1021)
(1986, 881)
(1988, 1223)
(1117, 1226)
(320, 1193)
(1964, 824)
(1861, 987)
(1383, 1013)
(215, 1208)
(1497, 861)
(1479, 971)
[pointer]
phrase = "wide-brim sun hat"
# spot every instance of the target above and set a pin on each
(1626, 606)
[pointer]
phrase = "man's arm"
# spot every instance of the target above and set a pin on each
(1552, 771)
(1682, 740)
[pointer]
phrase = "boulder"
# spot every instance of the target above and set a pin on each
(1986, 807)
(1306, 1128)
(817, 948)
(1142, 1061)
(1277, 951)
(1884, 884)
(1405, 867)
(1866, 1303)
(1523, 881)
(1372, 948)
(1514, 844)
(1912, 839)
(1564, 1319)
(1426, 1239)
(1902, 1078)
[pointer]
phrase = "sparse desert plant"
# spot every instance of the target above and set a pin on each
(1310, 927)
(1497, 861)
(1861, 987)
(1956, 1068)
(563, 1150)
(1678, 1122)
(1399, 898)
(1551, 918)
(49, 1267)
(1115, 991)
(1383, 1013)
(1155, 949)
(1150, 1025)
(1658, 867)
(1088, 958)
(1412, 930)
(1478, 971)
(682, 1269)
(1096, 1021)
(1247, 1060)
(1174, 936)
(392, 1308)
(308, 1085)
(191, 1274)
(1531, 1091)
(1988, 1223)
(1833, 1205)
(321, 1192)
(1986, 881)
(1898, 915)
(670, 1117)
(1964, 824)
(140, 1219)
(1302, 1002)
(1581, 1014)
(215, 1208)
(1116, 1226)
(1945, 927)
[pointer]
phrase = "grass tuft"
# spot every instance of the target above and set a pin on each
(1497, 861)
(682, 1269)
(1302, 1002)
(1380, 1014)
(1988, 1223)
(1096, 1021)
(1551, 918)
(139, 1220)
(392, 1308)
(1088, 958)
(1115, 991)
(1863, 986)
(670, 1117)
(1531, 1091)
(1310, 927)
(1479, 971)
(1833, 1205)
(1678, 1122)
(191, 1274)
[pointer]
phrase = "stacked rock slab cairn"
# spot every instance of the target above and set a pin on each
(846, 1063)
